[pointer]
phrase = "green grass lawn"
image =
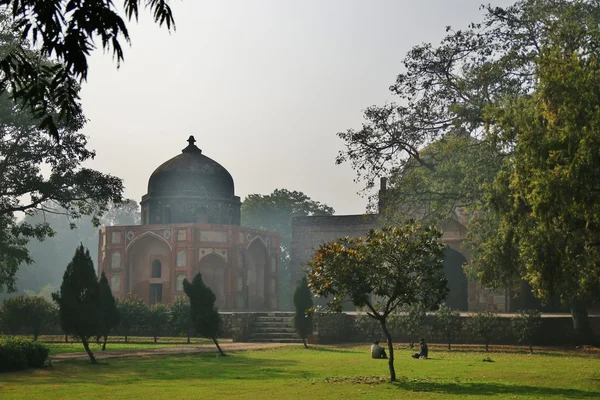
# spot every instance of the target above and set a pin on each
(317, 373)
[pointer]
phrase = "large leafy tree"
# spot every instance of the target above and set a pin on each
(545, 199)
(387, 269)
(205, 316)
(66, 31)
(79, 299)
(274, 212)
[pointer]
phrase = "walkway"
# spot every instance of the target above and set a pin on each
(191, 349)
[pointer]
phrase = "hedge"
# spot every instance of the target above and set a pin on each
(17, 354)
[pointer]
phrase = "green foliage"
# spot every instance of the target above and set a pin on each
(181, 318)
(67, 32)
(108, 314)
(205, 317)
(525, 326)
(482, 326)
(447, 321)
(132, 310)
(410, 319)
(79, 298)
(17, 354)
(28, 313)
(389, 268)
(274, 212)
(303, 303)
(157, 319)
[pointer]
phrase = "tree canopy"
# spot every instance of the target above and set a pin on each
(66, 31)
(274, 212)
(387, 269)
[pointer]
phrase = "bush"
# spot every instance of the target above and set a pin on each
(525, 325)
(17, 354)
(483, 325)
(448, 322)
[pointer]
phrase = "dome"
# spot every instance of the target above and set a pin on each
(191, 188)
(193, 174)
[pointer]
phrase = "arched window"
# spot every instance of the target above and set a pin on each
(115, 260)
(179, 282)
(156, 268)
(115, 283)
(181, 258)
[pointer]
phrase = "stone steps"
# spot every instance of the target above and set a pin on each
(274, 327)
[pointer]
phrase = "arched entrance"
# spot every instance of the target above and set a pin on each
(458, 294)
(148, 268)
(214, 272)
(257, 267)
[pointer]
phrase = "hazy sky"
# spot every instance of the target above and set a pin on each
(263, 85)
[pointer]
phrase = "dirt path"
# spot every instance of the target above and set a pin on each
(227, 347)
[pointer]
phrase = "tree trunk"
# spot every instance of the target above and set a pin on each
(487, 346)
(449, 347)
(86, 346)
(104, 344)
(188, 342)
(66, 338)
(390, 349)
(531, 348)
(155, 338)
(36, 334)
(304, 343)
(584, 333)
(125, 338)
(218, 347)
(98, 340)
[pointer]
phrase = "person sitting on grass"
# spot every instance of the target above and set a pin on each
(424, 351)
(377, 351)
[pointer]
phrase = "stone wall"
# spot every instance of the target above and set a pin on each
(360, 328)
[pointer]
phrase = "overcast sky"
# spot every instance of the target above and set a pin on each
(263, 85)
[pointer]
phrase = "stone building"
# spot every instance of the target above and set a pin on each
(191, 224)
(309, 232)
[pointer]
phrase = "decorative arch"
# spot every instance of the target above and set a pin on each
(144, 235)
(257, 285)
(201, 256)
(214, 270)
(262, 241)
(458, 285)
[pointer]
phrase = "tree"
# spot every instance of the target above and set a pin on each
(411, 320)
(483, 325)
(274, 212)
(131, 313)
(157, 319)
(205, 317)
(36, 315)
(303, 304)
(79, 299)
(181, 319)
(108, 314)
(65, 31)
(11, 314)
(525, 325)
(448, 321)
(544, 199)
(389, 268)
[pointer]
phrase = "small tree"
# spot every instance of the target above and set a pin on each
(525, 325)
(482, 325)
(205, 317)
(11, 314)
(157, 319)
(108, 314)
(181, 319)
(131, 313)
(36, 315)
(79, 299)
(387, 269)
(410, 319)
(448, 322)
(303, 303)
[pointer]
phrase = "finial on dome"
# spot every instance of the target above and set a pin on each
(191, 148)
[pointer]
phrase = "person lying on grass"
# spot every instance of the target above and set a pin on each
(377, 351)
(424, 350)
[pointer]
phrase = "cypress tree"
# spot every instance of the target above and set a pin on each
(205, 317)
(79, 298)
(303, 303)
(108, 314)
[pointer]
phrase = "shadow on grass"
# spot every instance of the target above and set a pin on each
(326, 349)
(173, 367)
(491, 389)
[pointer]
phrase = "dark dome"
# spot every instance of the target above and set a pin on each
(191, 174)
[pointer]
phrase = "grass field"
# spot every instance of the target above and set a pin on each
(317, 373)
